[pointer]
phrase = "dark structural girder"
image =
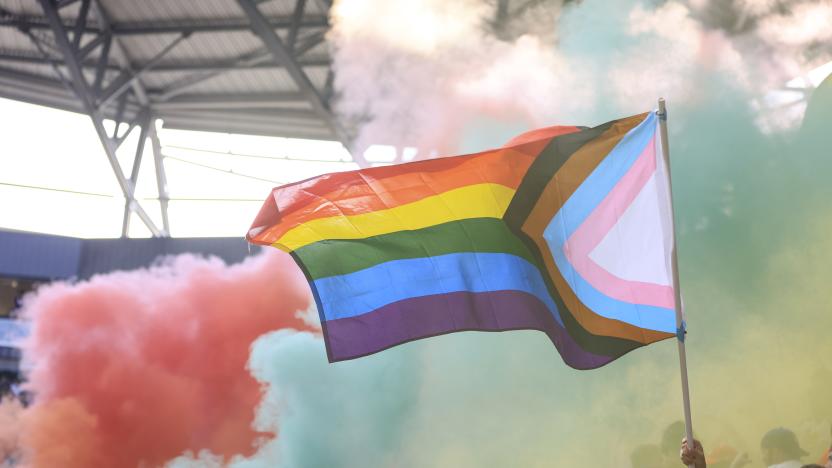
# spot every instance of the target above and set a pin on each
(228, 101)
(126, 79)
(260, 25)
(84, 93)
(267, 61)
(171, 27)
(145, 121)
(297, 17)
(213, 25)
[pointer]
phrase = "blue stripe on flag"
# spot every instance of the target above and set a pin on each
(366, 290)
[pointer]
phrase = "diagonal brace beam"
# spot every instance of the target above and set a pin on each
(126, 79)
(283, 55)
(137, 164)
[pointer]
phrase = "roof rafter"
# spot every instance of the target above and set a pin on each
(228, 101)
(27, 56)
(282, 54)
(166, 26)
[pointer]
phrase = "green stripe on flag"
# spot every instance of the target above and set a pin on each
(338, 257)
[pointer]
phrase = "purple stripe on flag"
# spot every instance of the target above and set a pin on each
(425, 316)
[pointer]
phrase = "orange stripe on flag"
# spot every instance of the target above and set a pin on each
(381, 188)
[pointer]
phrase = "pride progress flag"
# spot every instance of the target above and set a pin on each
(565, 230)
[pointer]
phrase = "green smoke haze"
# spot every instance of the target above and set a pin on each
(752, 208)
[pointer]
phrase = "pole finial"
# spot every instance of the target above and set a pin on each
(662, 112)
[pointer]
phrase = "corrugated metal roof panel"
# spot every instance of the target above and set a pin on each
(142, 48)
(248, 81)
(160, 80)
(199, 46)
(144, 28)
(284, 8)
(320, 50)
(255, 127)
(31, 68)
(315, 8)
(14, 39)
(23, 7)
(126, 10)
(317, 76)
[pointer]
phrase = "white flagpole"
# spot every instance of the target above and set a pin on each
(681, 328)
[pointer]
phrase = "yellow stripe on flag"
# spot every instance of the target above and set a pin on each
(486, 200)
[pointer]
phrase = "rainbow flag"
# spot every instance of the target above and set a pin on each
(565, 230)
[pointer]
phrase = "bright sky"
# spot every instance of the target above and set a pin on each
(52, 149)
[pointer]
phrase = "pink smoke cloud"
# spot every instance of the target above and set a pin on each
(134, 368)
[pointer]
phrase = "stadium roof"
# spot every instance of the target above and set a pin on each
(217, 65)
(245, 66)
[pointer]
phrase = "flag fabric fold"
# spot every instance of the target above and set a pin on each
(565, 230)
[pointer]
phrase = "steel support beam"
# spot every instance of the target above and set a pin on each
(37, 23)
(42, 91)
(130, 126)
(310, 41)
(236, 63)
(228, 101)
(297, 17)
(80, 23)
(299, 117)
(85, 96)
(145, 122)
(127, 79)
(213, 25)
(54, 64)
(91, 45)
(38, 90)
(65, 3)
(329, 86)
(281, 54)
(324, 5)
(162, 26)
(104, 19)
(190, 81)
(103, 61)
(161, 178)
(122, 103)
(141, 96)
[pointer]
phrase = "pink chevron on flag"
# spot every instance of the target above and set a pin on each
(620, 248)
